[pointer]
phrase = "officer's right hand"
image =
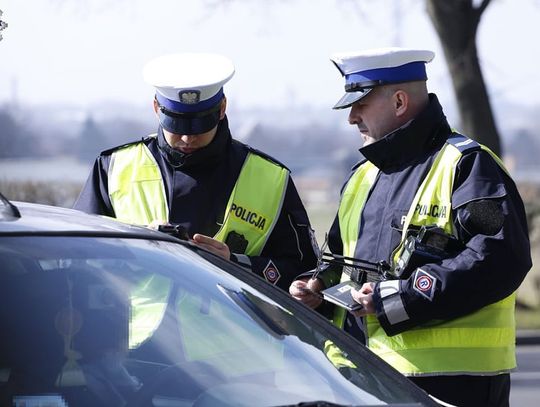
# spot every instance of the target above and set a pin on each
(307, 291)
(364, 296)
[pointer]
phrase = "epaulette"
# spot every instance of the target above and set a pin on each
(462, 143)
(112, 150)
(263, 155)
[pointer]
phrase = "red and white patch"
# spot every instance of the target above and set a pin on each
(271, 273)
(424, 283)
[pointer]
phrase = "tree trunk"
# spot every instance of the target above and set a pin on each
(456, 23)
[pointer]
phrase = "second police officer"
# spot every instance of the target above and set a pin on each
(449, 323)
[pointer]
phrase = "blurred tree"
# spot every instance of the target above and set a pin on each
(92, 140)
(523, 149)
(7, 135)
(15, 139)
(456, 23)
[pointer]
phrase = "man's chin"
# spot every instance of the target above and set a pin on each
(186, 150)
(367, 140)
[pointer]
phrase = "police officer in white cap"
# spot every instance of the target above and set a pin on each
(233, 200)
(444, 320)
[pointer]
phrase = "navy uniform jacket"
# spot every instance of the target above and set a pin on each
(198, 187)
(491, 266)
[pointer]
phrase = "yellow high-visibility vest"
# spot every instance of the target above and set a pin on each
(137, 194)
(482, 342)
(350, 208)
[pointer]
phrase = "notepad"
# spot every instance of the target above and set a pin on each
(341, 295)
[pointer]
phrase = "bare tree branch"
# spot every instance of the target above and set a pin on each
(482, 7)
(3, 26)
(458, 41)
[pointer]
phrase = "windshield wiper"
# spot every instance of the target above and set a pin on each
(322, 403)
(318, 403)
(242, 300)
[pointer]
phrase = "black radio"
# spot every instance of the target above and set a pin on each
(178, 231)
(430, 245)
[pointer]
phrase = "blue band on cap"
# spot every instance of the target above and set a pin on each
(179, 107)
(414, 71)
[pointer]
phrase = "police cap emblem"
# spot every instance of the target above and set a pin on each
(189, 97)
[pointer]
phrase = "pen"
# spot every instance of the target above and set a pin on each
(308, 291)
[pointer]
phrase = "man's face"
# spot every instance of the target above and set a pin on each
(374, 115)
(188, 144)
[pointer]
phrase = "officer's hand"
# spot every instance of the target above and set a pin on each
(212, 245)
(307, 291)
(364, 296)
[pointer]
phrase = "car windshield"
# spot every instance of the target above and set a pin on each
(114, 322)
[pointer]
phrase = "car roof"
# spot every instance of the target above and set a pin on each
(31, 218)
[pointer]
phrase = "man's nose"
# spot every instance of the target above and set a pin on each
(186, 138)
(354, 118)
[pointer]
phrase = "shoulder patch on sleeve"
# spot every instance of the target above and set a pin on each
(424, 284)
(271, 273)
(462, 143)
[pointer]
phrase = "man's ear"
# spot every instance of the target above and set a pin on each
(223, 108)
(156, 106)
(401, 102)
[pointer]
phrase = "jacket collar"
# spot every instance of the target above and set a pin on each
(424, 133)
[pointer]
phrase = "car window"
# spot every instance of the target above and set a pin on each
(113, 322)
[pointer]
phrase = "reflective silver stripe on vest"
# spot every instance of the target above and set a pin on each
(392, 303)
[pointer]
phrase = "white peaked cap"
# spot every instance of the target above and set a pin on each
(189, 78)
(364, 70)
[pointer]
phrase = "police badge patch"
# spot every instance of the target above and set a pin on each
(424, 283)
(271, 273)
(189, 97)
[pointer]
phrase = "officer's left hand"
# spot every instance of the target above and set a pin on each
(307, 291)
(212, 245)
(364, 296)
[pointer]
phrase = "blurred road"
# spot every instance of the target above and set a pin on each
(525, 390)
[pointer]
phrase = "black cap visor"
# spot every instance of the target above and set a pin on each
(189, 123)
(350, 98)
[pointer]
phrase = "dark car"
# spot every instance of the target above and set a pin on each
(95, 312)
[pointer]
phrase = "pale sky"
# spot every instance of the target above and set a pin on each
(85, 51)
